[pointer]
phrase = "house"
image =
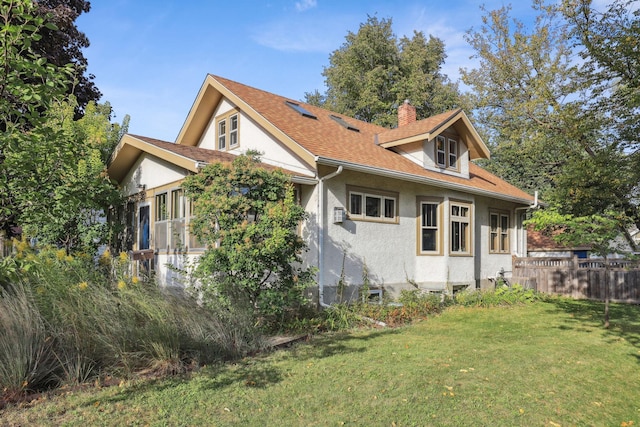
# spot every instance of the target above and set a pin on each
(407, 205)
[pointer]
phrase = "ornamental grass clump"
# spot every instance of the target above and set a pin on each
(68, 319)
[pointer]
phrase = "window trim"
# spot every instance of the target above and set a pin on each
(420, 201)
(500, 233)
(447, 153)
(383, 195)
(226, 120)
(469, 229)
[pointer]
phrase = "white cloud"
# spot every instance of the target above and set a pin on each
(303, 5)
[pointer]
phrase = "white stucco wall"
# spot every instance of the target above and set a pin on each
(390, 250)
(151, 172)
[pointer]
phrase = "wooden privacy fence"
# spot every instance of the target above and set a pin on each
(580, 278)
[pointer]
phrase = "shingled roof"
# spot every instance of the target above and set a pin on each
(319, 139)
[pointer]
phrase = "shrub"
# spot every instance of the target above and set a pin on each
(502, 295)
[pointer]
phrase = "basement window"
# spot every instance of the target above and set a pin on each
(300, 109)
(343, 123)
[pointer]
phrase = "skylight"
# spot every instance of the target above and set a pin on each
(341, 121)
(300, 109)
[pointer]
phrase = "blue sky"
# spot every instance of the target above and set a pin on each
(151, 57)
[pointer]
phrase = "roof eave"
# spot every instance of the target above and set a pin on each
(421, 180)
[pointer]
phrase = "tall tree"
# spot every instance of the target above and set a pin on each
(373, 72)
(544, 116)
(28, 86)
(60, 186)
(63, 45)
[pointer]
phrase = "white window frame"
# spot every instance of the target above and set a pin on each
(449, 150)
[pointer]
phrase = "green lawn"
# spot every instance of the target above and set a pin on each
(545, 364)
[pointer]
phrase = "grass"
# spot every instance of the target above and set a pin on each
(544, 364)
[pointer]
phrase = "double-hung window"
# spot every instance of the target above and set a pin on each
(373, 205)
(161, 220)
(460, 228)
(498, 232)
(178, 210)
(227, 131)
(446, 152)
(429, 226)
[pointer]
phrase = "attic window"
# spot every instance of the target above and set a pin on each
(341, 121)
(303, 111)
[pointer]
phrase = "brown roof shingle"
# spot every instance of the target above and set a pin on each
(325, 138)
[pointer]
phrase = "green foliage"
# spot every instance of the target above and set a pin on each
(564, 127)
(373, 72)
(248, 217)
(28, 86)
(502, 295)
(67, 322)
(59, 188)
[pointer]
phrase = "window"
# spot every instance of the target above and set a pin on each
(498, 232)
(160, 226)
(453, 154)
(222, 135)
(233, 131)
(228, 128)
(460, 216)
(429, 226)
(161, 207)
(446, 152)
(178, 208)
(366, 204)
(300, 109)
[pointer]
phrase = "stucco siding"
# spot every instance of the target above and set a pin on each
(252, 136)
(150, 172)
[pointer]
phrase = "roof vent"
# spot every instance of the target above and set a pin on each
(343, 123)
(300, 109)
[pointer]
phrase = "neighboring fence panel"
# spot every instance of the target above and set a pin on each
(581, 278)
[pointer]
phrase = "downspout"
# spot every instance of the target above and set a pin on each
(321, 207)
(533, 206)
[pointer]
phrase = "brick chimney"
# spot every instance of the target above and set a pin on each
(406, 113)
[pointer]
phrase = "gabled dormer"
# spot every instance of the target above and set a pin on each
(443, 143)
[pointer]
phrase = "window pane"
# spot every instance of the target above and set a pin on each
(161, 207)
(504, 223)
(440, 151)
(453, 153)
(429, 237)
(455, 210)
(464, 228)
(504, 242)
(494, 222)
(493, 243)
(389, 208)
(455, 236)
(429, 215)
(373, 206)
(234, 122)
(222, 135)
(356, 204)
(464, 211)
(177, 204)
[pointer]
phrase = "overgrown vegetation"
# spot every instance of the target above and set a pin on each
(542, 364)
(66, 321)
(247, 216)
